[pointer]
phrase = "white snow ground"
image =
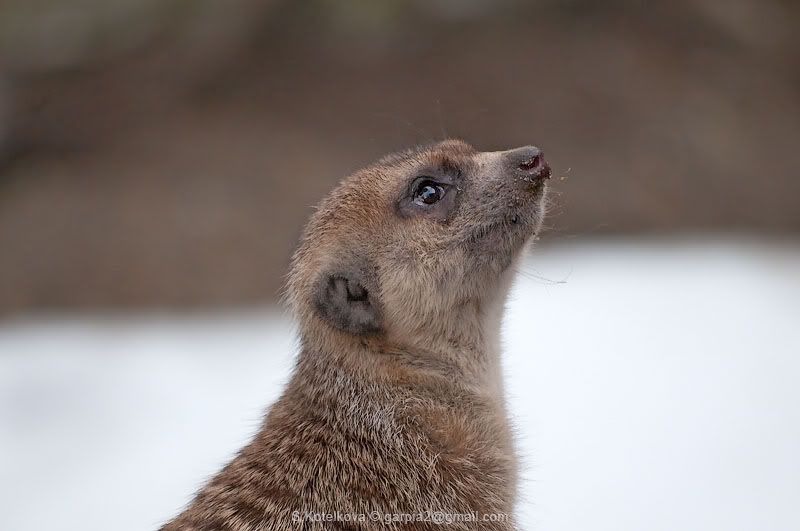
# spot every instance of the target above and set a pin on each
(658, 388)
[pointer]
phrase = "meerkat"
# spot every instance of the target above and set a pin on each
(395, 414)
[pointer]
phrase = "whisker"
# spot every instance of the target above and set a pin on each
(542, 278)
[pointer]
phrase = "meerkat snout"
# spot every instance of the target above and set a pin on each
(530, 161)
(396, 404)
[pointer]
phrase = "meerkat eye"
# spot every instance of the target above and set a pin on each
(428, 192)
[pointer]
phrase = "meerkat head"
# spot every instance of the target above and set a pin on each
(418, 246)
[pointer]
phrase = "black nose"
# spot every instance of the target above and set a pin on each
(530, 161)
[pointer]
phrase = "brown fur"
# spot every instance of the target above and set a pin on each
(409, 417)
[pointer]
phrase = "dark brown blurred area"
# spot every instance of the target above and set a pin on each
(166, 153)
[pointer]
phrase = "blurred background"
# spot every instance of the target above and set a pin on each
(158, 159)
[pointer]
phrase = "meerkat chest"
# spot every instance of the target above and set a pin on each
(464, 451)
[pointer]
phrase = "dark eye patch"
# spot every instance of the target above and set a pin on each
(428, 192)
(429, 195)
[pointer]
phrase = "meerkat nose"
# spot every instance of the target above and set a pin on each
(530, 161)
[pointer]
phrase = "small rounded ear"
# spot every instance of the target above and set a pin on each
(343, 299)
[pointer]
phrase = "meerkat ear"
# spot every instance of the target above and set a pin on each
(343, 299)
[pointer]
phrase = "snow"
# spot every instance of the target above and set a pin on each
(654, 386)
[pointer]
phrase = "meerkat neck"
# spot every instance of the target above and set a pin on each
(468, 361)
